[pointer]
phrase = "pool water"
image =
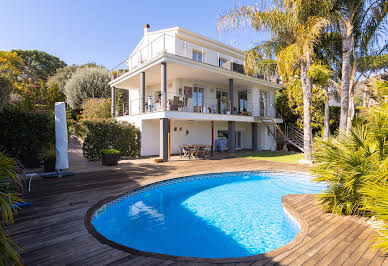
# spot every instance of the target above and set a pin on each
(213, 216)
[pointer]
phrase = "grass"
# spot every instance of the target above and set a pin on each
(281, 157)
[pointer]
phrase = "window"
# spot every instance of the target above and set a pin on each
(197, 56)
(198, 99)
(221, 62)
(263, 103)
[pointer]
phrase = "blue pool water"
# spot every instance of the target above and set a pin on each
(213, 216)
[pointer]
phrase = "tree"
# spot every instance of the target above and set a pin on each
(296, 27)
(360, 23)
(86, 83)
(321, 74)
(38, 64)
(63, 74)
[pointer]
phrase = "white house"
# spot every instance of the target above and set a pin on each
(184, 88)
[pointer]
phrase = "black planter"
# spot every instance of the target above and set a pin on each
(110, 159)
(31, 160)
(49, 165)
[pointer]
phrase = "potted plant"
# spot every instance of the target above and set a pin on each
(110, 157)
(48, 156)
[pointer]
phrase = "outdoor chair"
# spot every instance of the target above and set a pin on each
(186, 151)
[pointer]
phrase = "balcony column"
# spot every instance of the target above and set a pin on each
(163, 85)
(254, 136)
(231, 124)
(163, 147)
(231, 96)
(113, 102)
(142, 92)
(231, 136)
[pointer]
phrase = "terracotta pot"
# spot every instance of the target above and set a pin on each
(110, 159)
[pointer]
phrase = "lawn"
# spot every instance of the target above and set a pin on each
(282, 157)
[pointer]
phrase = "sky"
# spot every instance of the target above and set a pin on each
(106, 32)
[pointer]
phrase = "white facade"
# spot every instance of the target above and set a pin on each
(200, 74)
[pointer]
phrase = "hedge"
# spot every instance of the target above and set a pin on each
(25, 132)
(110, 134)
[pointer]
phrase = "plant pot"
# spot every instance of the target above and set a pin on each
(49, 165)
(110, 159)
(31, 160)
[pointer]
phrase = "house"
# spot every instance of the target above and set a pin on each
(184, 88)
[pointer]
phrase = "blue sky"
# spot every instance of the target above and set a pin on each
(105, 32)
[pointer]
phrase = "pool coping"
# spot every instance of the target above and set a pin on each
(304, 226)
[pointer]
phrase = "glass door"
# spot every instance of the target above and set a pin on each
(198, 100)
(263, 103)
(222, 101)
(243, 101)
(238, 142)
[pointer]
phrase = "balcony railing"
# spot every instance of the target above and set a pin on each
(191, 104)
(173, 45)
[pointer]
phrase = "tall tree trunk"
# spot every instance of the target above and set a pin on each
(326, 126)
(350, 110)
(307, 92)
(347, 49)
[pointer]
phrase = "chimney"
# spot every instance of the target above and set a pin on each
(146, 29)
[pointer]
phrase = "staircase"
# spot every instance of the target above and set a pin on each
(291, 134)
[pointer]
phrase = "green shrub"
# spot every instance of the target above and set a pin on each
(96, 108)
(76, 128)
(25, 132)
(109, 151)
(376, 202)
(9, 184)
(112, 134)
(5, 90)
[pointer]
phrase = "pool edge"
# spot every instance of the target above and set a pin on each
(304, 226)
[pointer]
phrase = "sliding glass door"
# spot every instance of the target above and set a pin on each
(263, 103)
(222, 101)
(198, 100)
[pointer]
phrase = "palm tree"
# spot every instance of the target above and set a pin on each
(359, 22)
(9, 183)
(296, 28)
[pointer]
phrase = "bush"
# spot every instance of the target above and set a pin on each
(86, 83)
(25, 132)
(96, 108)
(110, 134)
(5, 90)
(9, 184)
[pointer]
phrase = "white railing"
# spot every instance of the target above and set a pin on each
(173, 45)
(181, 103)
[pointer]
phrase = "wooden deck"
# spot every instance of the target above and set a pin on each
(51, 231)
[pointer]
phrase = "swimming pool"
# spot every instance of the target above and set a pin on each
(224, 215)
